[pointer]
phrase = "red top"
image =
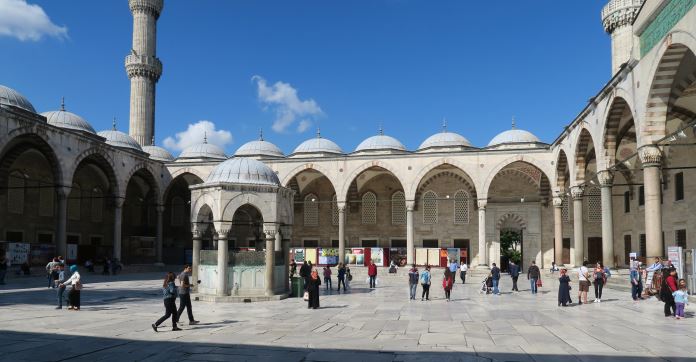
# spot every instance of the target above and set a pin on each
(672, 283)
(372, 270)
(447, 283)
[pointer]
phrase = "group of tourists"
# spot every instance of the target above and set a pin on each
(671, 290)
(491, 283)
(170, 292)
(312, 281)
(60, 279)
(586, 277)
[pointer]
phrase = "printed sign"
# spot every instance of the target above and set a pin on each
(355, 257)
(328, 256)
(18, 252)
(299, 256)
(377, 256)
(72, 253)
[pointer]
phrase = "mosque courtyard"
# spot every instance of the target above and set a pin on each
(362, 325)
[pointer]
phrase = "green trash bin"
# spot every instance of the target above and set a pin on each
(297, 285)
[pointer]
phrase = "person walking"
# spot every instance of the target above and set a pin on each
(447, 283)
(327, 277)
(425, 283)
(495, 275)
(514, 271)
(60, 293)
(372, 274)
(681, 299)
(313, 290)
(293, 268)
(564, 288)
(640, 281)
(169, 294)
(76, 286)
(534, 275)
(341, 276)
(666, 293)
(412, 282)
(600, 278)
(453, 267)
(349, 277)
(52, 272)
(634, 276)
(185, 295)
(305, 270)
(583, 283)
(4, 266)
(462, 272)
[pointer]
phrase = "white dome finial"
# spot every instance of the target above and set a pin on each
(113, 124)
(261, 134)
(62, 103)
(513, 122)
(318, 132)
(444, 125)
(381, 129)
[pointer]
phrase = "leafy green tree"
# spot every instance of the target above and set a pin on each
(511, 245)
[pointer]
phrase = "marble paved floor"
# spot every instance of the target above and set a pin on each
(363, 325)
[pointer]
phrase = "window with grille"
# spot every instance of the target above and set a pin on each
(334, 210)
(178, 213)
(311, 210)
(594, 204)
(46, 194)
(643, 246)
(15, 193)
(430, 208)
(461, 207)
(627, 202)
(679, 186)
(97, 204)
(74, 200)
(565, 209)
(641, 196)
(369, 208)
(398, 208)
(680, 237)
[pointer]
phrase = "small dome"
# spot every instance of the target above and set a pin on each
(11, 97)
(69, 120)
(158, 153)
(120, 139)
(513, 136)
(243, 170)
(380, 142)
(203, 150)
(445, 139)
(259, 147)
(318, 145)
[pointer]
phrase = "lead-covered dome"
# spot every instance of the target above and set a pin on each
(69, 120)
(158, 153)
(318, 145)
(120, 139)
(203, 150)
(243, 170)
(11, 97)
(259, 148)
(380, 142)
(445, 139)
(513, 136)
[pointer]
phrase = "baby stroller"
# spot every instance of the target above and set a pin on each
(486, 285)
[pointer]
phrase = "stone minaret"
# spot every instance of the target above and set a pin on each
(617, 18)
(144, 69)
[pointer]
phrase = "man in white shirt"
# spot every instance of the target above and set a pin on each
(584, 283)
(462, 272)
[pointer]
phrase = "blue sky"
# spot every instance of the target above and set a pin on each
(352, 66)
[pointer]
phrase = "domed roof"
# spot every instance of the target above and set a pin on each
(203, 150)
(380, 142)
(119, 139)
(243, 170)
(259, 147)
(11, 97)
(445, 139)
(69, 120)
(158, 153)
(513, 135)
(318, 145)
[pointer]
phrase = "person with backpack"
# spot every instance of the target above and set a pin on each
(425, 283)
(74, 293)
(534, 276)
(447, 283)
(514, 271)
(495, 275)
(413, 282)
(169, 294)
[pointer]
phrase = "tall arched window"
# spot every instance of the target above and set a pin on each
(461, 207)
(96, 204)
(74, 200)
(334, 210)
(311, 210)
(369, 208)
(178, 211)
(594, 204)
(46, 196)
(15, 192)
(398, 208)
(430, 208)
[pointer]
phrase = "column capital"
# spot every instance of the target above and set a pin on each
(557, 201)
(222, 234)
(482, 203)
(270, 230)
(159, 209)
(650, 156)
(63, 191)
(576, 192)
(605, 178)
(341, 206)
(118, 201)
(410, 205)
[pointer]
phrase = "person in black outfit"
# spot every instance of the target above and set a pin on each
(185, 295)
(564, 288)
(514, 270)
(495, 274)
(305, 270)
(313, 284)
(169, 294)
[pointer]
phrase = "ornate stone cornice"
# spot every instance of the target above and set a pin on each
(143, 66)
(152, 7)
(650, 156)
(605, 178)
(618, 13)
(576, 192)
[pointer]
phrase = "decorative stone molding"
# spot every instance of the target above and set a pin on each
(482, 203)
(650, 156)
(223, 234)
(606, 178)
(557, 201)
(270, 230)
(410, 205)
(576, 192)
(143, 66)
(618, 13)
(152, 7)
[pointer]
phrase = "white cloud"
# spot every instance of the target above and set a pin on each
(27, 22)
(282, 99)
(195, 133)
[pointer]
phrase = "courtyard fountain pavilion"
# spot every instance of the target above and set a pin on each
(620, 178)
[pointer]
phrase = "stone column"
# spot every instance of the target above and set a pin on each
(286, 255)
(195, 256)
(62, 221)
(118, 214)
(410, 249)
(651, 158)
(558, 230)
(270, 258)
(158, 243)
(223, 259)
(606, 180)
(578, 235)
(341, 232)
(482, 246)
(278, 242)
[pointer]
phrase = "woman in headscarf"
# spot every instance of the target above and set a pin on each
(313, 289)
(74, 293)
(564, 288)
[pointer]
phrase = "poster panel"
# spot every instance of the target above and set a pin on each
(328, 256)
(355, 256)
(311, 255)
(434, 257)
(377, 256)
(41, 254)
(299, 256)
(398, 256)
(452, 255)
(421, 256)
(18, 252)
(72, 253)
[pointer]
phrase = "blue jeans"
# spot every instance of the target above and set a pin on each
(327, 283)
(495, 286)
(533, 285)
(634, 291)
(60, 292)
(413, 288)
